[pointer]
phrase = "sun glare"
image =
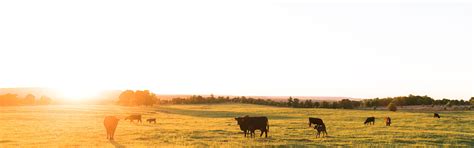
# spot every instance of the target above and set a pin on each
(77, 94)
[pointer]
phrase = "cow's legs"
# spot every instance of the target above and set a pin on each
(261, 132)
(112, 133)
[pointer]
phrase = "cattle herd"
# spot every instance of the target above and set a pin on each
(246, 123)
(111, 122)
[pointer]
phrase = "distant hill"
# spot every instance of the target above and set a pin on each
(110, 96)
(276, 98)
(36, 91)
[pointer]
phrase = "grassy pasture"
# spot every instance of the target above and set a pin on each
(214, 126)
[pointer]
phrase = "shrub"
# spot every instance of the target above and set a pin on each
(392, 107)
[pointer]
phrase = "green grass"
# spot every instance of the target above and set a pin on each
(214, 126)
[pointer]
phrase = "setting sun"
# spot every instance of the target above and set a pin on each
(221, 73)
(77, 94)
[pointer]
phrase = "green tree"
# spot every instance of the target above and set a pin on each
(290, 102)
(308, 104)
(316, 104)
(296, 103)
(44, 100)
(449, 104)
(29, 99)
(392, 106)
(346, 104)
(126, 97)
(9, 99)
(324, 104)
(335, 104)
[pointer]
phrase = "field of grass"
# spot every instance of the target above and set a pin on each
(214, 126)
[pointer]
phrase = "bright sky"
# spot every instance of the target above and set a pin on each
(245, 47)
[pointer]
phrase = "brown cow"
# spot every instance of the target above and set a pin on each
(110, 123)
(388, 121)
(134, 117)
(151, 120)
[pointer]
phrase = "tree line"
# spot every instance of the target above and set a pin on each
(14, 100)
(414, 100)
(134, 98)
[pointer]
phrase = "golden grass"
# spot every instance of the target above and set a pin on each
(214, 126)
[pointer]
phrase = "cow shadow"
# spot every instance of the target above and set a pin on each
(117, 145)
(216, 114)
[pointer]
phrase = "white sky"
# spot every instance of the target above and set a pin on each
(278, 47)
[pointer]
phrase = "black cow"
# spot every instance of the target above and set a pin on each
(321, 128)
(134, 117)
(316, 121)
(436, 115)
(243, 126)
(250, 124)
(369, 120)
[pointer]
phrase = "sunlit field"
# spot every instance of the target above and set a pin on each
(214, 125)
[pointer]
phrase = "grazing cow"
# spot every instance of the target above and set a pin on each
(134, 117)
(243, 126)
(388, 121)
(369, 120)
(151, 120)
(436, 115)
(321, 128)
(316, 121)
(110, 123)
(251, 124)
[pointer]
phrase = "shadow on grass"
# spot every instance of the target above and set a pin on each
(5, 141)
(117, 145)
(216, 114)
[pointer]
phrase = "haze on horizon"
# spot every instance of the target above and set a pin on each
(258, 48)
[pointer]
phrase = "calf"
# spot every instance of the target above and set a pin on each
(436, 115)
(110, 123)
(134, 117)
(151, 120)
(321, 128)
(388, 121)
(316, 121)
(370, 120)
(250, 124)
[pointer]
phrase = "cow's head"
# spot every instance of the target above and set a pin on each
(240, 120)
